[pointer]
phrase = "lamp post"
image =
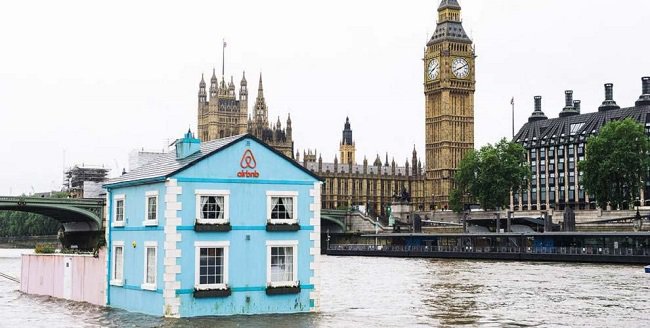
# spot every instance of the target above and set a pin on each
(376, 229)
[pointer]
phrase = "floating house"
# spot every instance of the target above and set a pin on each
(229, 226)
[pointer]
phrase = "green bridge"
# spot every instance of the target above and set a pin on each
(76, 214)
(87, 214)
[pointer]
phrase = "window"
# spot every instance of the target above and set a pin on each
(212, 206)
(575, 127)
(118, 264)
(282, 263)
(282, 207)
(118, 212)
(211, 265)
(151, 208)
(150, 262)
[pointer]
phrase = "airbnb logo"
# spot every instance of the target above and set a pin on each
(248, 162)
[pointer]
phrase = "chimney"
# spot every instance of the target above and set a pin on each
(576, 105)
(609, 102)
(644, 99)
(568, 98)
(537, 113)
(186, 146)
(568, 109)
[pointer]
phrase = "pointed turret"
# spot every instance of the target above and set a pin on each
(377, 161)
(202, 93)
(261, 111)
(414, 161)
(260, 88)
(386, 162)
(537, 114)
(609, 102)
(289, 130)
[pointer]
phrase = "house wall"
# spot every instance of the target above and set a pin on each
(44, 274)
(247, 264)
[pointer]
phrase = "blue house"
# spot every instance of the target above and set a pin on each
(229, 226)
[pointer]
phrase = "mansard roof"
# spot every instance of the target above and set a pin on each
(575, 128)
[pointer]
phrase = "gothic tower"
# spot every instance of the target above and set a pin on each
(347, 144)
(449, 84)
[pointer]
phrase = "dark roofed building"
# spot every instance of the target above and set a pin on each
(555, 146)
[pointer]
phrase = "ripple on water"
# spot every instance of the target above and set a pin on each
(395, 292)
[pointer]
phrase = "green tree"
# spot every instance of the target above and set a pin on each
(616, 162)
(489, 174)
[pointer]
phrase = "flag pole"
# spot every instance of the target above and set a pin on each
(223, 58)
(512, 102)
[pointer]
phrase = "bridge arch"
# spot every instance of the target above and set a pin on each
(74, 214)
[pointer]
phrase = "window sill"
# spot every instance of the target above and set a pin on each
(151, 287)
(117, 283)
(282, 227)
(219, 227)
(118, 224)
(206, 293)
(282, 290)
(149, 223)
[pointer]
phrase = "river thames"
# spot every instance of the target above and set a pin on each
(396, 292)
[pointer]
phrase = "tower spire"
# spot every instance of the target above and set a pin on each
(223, 58)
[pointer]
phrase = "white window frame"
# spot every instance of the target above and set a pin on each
(145, 285)
(282, 243)
(147, 195)
(122, 222)
(226, 205)
(269, 206)
(197, 263)
(117, 282)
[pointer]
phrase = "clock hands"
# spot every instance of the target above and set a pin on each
(456, 70)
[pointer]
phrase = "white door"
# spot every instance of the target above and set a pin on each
(67, 277)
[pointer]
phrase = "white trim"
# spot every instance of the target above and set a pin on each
(272, 193)
(225, 245)
(212, 192)
(113, 281)
(171, 268)
(147, 195)
(145, 285)
(282, 243)
(122, 222)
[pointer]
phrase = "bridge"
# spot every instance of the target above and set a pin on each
(76, 214)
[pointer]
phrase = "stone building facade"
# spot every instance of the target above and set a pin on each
(221, 114)
(449, 84)
(375, 185)
(555, 146)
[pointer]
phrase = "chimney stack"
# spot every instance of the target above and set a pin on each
(644, 99)
(537, 113)
(609, 102)
(576, 105)
(568, 98)
(568, 109)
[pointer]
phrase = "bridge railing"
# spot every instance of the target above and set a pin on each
(626, 251)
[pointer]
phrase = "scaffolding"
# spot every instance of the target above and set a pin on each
(77, 179)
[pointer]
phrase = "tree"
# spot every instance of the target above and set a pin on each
(616, 162)
(490, 173)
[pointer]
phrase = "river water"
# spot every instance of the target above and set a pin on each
(395, 292)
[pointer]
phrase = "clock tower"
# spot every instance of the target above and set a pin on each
(449, 84)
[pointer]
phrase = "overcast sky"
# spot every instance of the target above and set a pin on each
(87, 81)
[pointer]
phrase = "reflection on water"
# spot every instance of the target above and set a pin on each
(394, 292)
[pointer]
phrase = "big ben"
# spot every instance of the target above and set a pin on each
(449, 84)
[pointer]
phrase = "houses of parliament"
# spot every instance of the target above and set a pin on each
(449, 85)
(223, 115)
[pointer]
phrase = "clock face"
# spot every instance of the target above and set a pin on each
(433, 69)
(460, 68)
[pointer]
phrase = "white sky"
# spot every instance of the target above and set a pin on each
(95, 80)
